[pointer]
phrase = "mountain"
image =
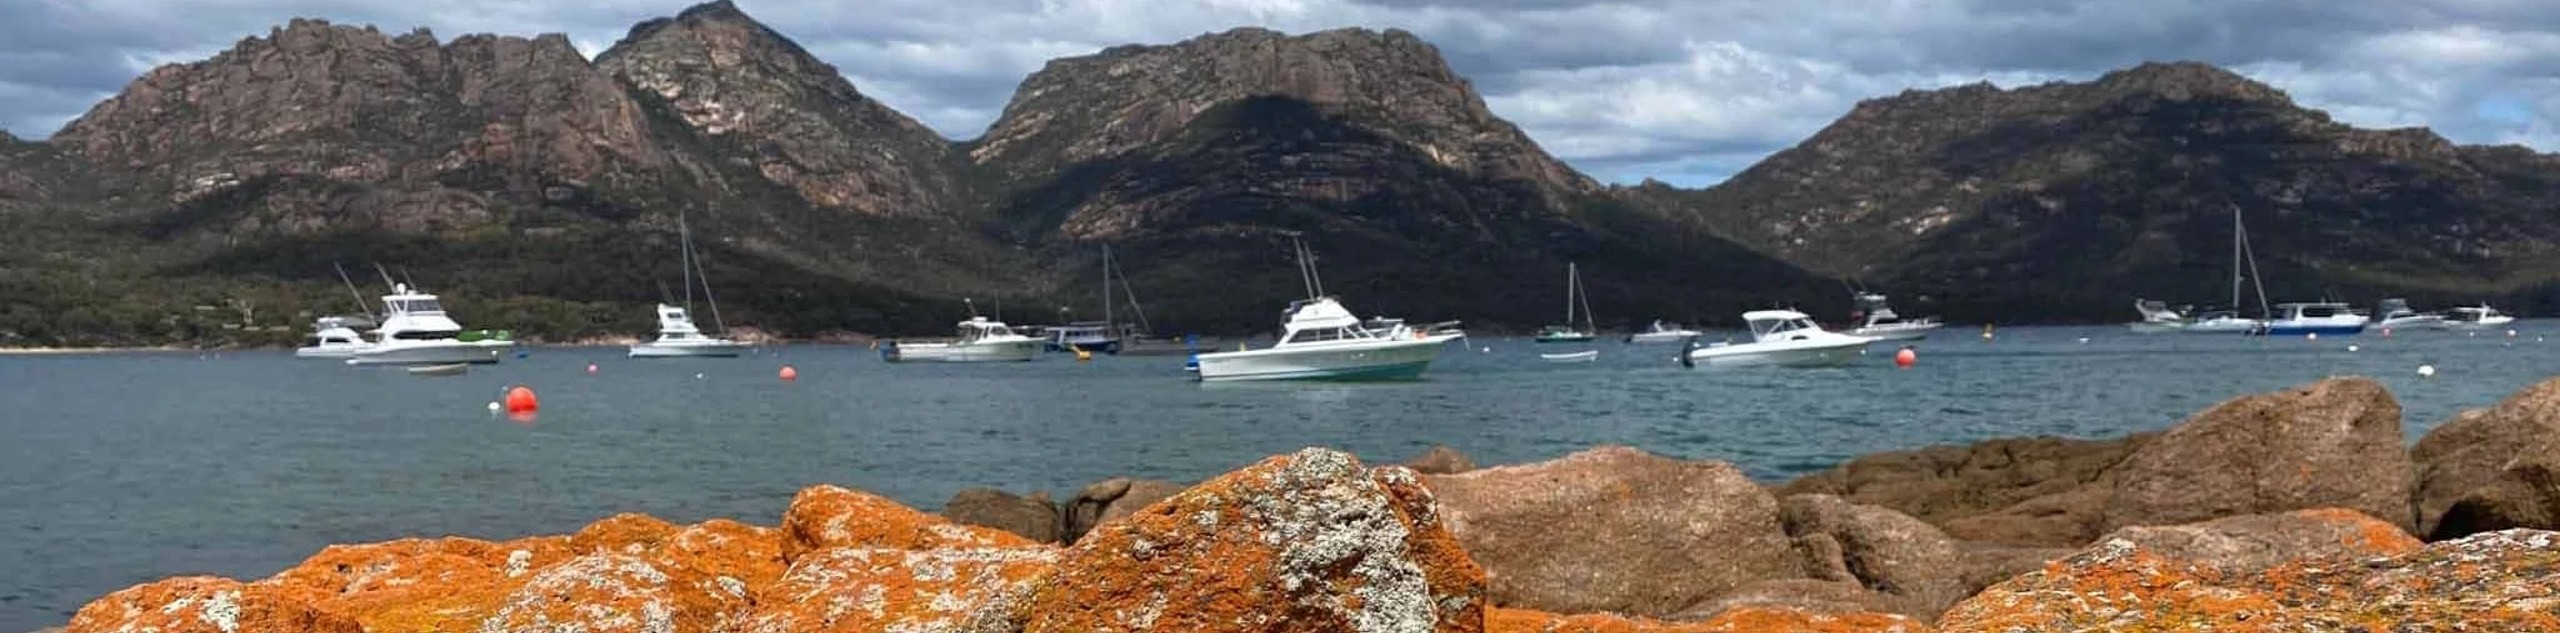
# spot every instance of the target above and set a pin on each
(1197, 159)
(2067, 200)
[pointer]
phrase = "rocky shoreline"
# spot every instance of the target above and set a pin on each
(2297, 510)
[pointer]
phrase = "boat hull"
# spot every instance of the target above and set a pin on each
(455, 369)
(1566, 338)
(1384, 360)
(722, 349)
(439, 353)
(1661, 337)
(2491, 323)
(1572, 357)
(2299, 329)
(1145, 347)
(962, 353)
(1104, 346)
(1830, 354)
(2429, 322)
(2156, 328)
(329, 352)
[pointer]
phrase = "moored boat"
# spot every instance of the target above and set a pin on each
(2481, 317)
(1781, 338)
(2394, 314)
(2324, 317)
(1584, 356)
(1876, 320)
(1322, 340)
(333, 337)
(1662, 332)
(980, 340)
(678, 337)
(415, 331)
(1571, 332)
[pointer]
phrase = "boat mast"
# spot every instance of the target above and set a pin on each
(684, 238)
(1108, 322)
(2238, 237)
(1570, 280)
(1140, 312)
(1593, 321)
(2254, 278)
(705, 275)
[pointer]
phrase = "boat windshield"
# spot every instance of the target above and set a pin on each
(414, 306)
(1319, 334)
(1773, 327)
(426, 335)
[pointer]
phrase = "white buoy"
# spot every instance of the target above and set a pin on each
(493, 408)
(1488, 349)
(2084, 340)
(2426, 371)
(2310, 336)
(2352, 347)
(697, 375)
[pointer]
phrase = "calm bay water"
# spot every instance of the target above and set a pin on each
(122, 468)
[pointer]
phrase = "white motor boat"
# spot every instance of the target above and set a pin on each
(1782, 338)
(2396, 315)
(1321, 340)
(1880, 323)
(2481, 317)
(2326, 317)
(1662, 332)
(2223, 322)
(334, 337)
(677, 335)
(678, 338)
(415, 331)
(2157, 318)
(981, 340)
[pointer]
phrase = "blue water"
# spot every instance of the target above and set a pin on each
(122, 468)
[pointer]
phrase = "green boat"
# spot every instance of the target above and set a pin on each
(1573, 297)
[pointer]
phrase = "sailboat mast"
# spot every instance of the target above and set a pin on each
(2238, 238)
(1108, 323)
(705, 275)
(1570, 280)
(1584, 292)
(2254, 278)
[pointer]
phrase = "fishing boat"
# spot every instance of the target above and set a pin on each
(2157, 318)
(1321, 339)
(2481, 317)
(451, 369)
(2324, 317)
(415, 331)
(1571, 332)
(2394, 314)
(980, 340)
(333, 337)
(1780, 338)
(1876, 320)
(678, 337)
(1662, 332)
(1584, 356)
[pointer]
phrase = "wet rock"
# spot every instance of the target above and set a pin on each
(205, 604)
(1111, 499)
(1745, 620)
(2255, 543)
(860, 590)
(1033, 517)
(2332, 443)
(2496, 581)
(2489, 456)
(1945, 484)
(1615, 529)
(1301, 542)
(1440, 460)
(1884, 550)
(829, 516)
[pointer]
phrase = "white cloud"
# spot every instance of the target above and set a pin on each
(1689, 90)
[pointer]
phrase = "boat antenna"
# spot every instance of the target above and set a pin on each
(386, 275)
(404, 276)
(973, 305)
(684, 237)
(663, 295)
(1108, 323)
(351, 291)
(1298, 249)
(704, 275)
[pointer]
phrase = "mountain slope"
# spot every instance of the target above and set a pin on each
(1196, 158)
(2068, 200)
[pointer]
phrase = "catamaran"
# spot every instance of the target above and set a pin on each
(677, 335)
(1573, 296)
(2157, 318)
(1321, 340)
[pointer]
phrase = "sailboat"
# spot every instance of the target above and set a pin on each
(1573, 296)
(2158, 318)
(677, 335)
(1137, 338)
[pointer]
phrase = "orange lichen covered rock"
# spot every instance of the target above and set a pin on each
(442, 584)
(1744, 620)
(848, 590)
(721, 555)
(626, 533)
(1306, 542)
(828, 516)
(2499, 581)
(613, 593)
(205, 604)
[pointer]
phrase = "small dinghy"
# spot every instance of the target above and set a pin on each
(454, 369)
(1572, 357)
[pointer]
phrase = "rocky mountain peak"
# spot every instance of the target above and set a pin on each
(2188, 79)
(738, 83)
(1103, 105)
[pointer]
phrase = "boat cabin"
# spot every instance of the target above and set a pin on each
(1324, 319)
(980, 328)
(2323, 310)
(675, 324)
(1780, 325)
(2471, 314)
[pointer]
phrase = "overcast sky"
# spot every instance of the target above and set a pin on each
(1683, 90)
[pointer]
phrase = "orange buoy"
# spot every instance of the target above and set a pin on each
(789, 374)
(1905, 357)
(520, 400)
